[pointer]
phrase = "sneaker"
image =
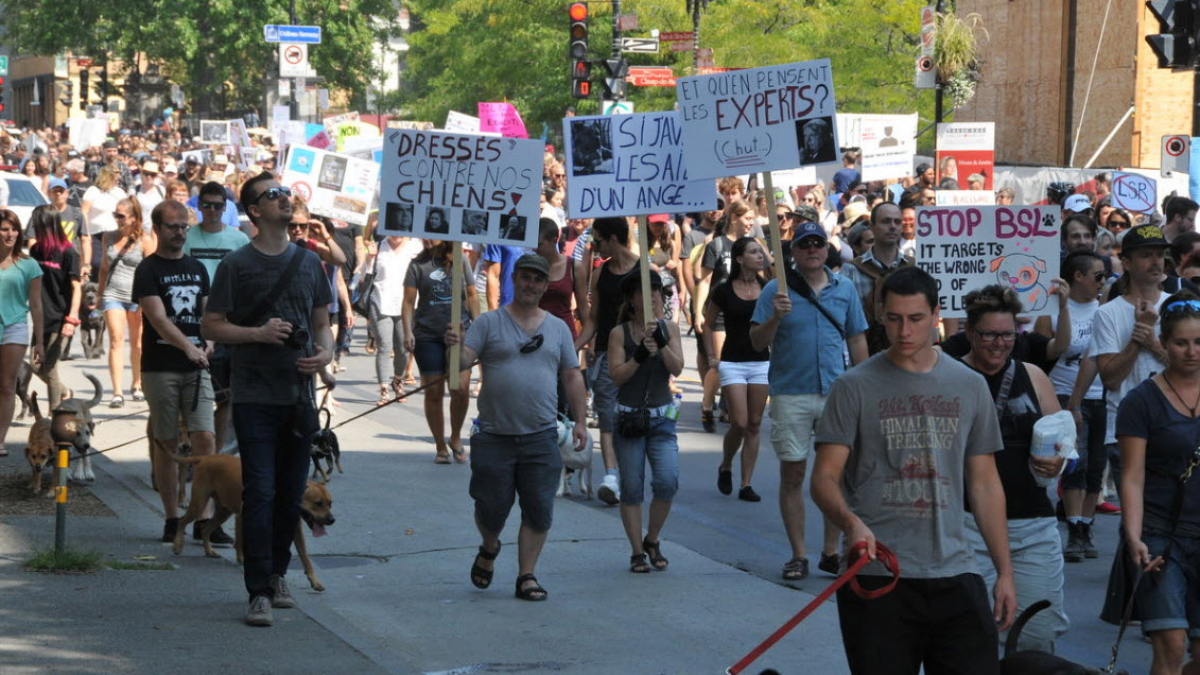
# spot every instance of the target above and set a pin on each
(1073, 551)
(170, 527)
(829, 564)
(220, 538)
(259, 612)
(1108, 509)
(609, 492)
(1089, 548)
(281, 595)
(747, 494)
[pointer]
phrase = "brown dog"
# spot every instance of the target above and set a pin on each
(220, 477)
(40, 451)
(183, 448)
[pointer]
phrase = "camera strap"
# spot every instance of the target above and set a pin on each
(265, 303)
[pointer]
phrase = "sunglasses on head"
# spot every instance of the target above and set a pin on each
(1182, 306)
(272, 194)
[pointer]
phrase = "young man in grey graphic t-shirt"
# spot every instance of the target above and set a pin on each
(904, 438)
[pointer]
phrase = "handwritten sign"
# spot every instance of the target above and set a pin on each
(630, 165)
(501, 118)
(758, 119)
(333, 185)
(969, 247)
(1134, 192)
(461, 187)
(965, 197)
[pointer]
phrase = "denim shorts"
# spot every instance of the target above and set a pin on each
(507, 466)
(1170, 599)
(743, 372)
(430, 356)
(660, 448)
(604, 393)
(107, 304)
(15, 334)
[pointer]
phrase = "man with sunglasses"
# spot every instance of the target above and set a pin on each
(227, 211)
(274, 352)
(525, 352)
(209, 242)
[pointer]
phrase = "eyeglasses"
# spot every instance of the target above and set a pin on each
(560, 175)
(175, 227)
(1182, 306)
(809, 243)
(533, 345)
(273, 193)
(990, 336)
(1099, 276)
(212, 206)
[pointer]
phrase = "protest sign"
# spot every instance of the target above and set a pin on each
(965, 197)
(84, 133)
(1134, 192)
(333, 185)
(964, 149)
(214, 131)
(345, 130)
(969, 247)
(758, 119)
(888, 143)
(461, 123)
(461, 187)
(364, 148)
(501, 118)
(332, 122)
(630, 165)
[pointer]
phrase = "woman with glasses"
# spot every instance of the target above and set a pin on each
(1023, 394)
(1118, 221)
(642, 358)
(1156, 431)
(1079, 390)
(123, 249)
(20, 295)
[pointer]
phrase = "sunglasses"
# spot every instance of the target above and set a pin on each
(297, 226)
(1099, 276)
(212, 206)
(1183, 306)
(119, 216)
(273, 194)
(809, 243)
(1117, 223)
(175, 227)
(533, 345)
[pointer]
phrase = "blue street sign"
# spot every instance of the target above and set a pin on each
(293, 34)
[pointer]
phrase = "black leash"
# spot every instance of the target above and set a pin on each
(401, 396)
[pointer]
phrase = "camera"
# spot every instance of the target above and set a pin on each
(297, 339)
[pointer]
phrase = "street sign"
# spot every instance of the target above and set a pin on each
(651, 76)
(1134, 192)
(627, 22)
(639, 45)
(293, 60)
(926, 77)
(681, 46)
(4, 65)
(682, 36)
(309, 35)
(1176, 154)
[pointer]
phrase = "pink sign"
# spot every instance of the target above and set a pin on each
(502, 118)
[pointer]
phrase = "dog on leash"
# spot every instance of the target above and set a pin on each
(574, 462)
(91, 322)
(40, 449)
(220, 477)
(1032, 662)
(325, 447)
(183, 448)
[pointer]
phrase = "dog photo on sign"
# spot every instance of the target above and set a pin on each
(591, 147)
(333, 172)
(214, 132)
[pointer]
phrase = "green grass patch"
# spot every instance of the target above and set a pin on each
(123, 565)
(68, 561)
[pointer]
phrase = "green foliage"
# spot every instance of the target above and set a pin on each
(515, 50)
(68, 560)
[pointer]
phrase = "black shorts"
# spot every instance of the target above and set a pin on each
(944, 624)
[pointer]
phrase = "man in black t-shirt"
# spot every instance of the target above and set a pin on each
(171, 289)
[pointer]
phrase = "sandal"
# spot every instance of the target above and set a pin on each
(480, 577)
(460, 454)
(441, 459)
(370, 346)
(385, 397)
(117, 401)
(795, 569)
(706, 420)
(654, 550)
(534, 593)
(137, 394)
(638, 564)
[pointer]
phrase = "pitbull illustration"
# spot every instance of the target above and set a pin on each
(1023, 273)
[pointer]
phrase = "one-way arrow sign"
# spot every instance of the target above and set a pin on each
(639, 45)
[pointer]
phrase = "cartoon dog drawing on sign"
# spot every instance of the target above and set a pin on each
(1023, 273)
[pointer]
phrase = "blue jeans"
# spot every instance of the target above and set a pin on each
(274, 442)
(661, 448)
(1170, 599)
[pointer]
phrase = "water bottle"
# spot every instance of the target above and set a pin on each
(673, 410)
(474, 425)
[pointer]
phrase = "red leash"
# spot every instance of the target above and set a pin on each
(858, 553)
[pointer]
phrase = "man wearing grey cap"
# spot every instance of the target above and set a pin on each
(524, 352)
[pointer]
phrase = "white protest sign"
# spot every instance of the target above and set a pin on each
(280, 113)
(1134, 192)
(214, 131)
(461, 123)
(758, 119)
(969, 247)
(333, 185)
(792, 178)
(888, 143)
(84, 133)
(630, 165)
(461, 187)
(965, 197)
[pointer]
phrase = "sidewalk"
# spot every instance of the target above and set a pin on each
(398, 598)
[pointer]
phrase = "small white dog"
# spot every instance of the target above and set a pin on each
(578, 460)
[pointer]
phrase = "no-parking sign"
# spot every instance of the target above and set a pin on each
(1134, 192)
(1176, 153)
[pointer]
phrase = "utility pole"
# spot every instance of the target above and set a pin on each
(293, 105)
(616, 95)
(937, 90)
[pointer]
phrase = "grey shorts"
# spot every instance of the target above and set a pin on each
(170, 393)
(507, 467)
(604, 393)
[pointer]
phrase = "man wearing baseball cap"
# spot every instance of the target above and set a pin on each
(525, 353)
(1076, 204)
(806, 331)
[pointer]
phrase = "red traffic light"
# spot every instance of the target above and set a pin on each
(1, 81)
(578, 11)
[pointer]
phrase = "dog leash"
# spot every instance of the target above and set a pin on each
(400, 397)
(885, 556)
(1116, 648)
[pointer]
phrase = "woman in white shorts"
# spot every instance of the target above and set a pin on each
(20, 295)
(742, 369)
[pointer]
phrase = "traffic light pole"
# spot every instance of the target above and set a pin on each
(293, 105)
(616, 45)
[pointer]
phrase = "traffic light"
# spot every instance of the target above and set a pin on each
(84, 94)
(577, 49)
(615, 71)
(3, 93)
(1176, 45)
(68, 93)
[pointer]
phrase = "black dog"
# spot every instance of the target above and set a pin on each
(91, 322)
(24, 375)
(325, 446)
(1034, 662)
